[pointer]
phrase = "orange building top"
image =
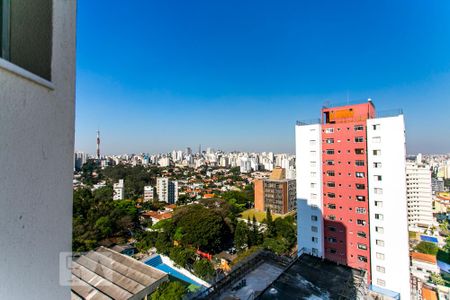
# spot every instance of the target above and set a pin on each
(208, 196)
(424, 257)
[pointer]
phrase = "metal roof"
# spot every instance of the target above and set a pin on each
(107, 274)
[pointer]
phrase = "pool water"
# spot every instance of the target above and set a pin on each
(157, 263)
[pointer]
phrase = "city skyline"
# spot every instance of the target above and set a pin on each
(239, 76)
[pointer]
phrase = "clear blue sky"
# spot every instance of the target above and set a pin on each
(159, 75)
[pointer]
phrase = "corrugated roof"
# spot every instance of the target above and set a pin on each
(106, 274)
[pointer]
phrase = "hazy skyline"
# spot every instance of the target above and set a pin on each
(155, 76)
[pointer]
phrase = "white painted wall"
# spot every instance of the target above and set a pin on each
(391, 142)
(309, 171)
(36, 164)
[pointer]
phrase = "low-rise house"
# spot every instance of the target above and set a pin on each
(423, 265)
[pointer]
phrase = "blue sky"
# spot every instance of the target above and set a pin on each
(236, 75)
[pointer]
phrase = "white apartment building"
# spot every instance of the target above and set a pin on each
(119, 190)
(387, 204)
(149, 193)
(423, 266)
(37, 117)
(419, 196)
(351, 193)
(167, 190)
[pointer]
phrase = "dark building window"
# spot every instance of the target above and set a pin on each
(26, 34)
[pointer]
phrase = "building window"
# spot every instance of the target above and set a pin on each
(376, 152)
(380, 256)
(332, 229)
(378, 191)
(330, 162)
(314, 228)
(381, 282)
(332, 206)
(376, 126)
(313, 164)
(26, 35)
(359, 139)
(381, 269)
(360, 186)
(331, 184)
(360, 210)
(313, 185)
(361, 198)
(361, 234)
(332, 217)
(330, 151)
(331, 195)
(359, 163)
(315, 239)
(379, 204)
(315, 251)
(379, 229)
(333, 251)
(332, 240)
(376, 139)
(329, 141)
(359, 151)
(379, 217)
(362, 258)
(330, 173)
(362, 246)
(377, 165)
(314, 218)
(312, 142)
(359, 174)
(359, 127)
(361, 222)
(329, 130)
(380, 243)
(378, 177)
(313, 196)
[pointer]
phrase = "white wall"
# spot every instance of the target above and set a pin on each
(391, 131)
(419, 195)
(36, 164)
(306, 153)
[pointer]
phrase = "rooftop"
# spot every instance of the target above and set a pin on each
(313, 278)
(424, 257)
(107, 274)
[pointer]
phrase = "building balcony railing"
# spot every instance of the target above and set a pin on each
(308, 122)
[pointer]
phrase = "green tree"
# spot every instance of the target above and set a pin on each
(270, 226)
(427, 248)
(174, 290)
(204, 269)
(241, 235)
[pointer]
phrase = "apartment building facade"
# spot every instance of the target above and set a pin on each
(149, 193)
(119, 190)
(276, 193)
(37, 115)
(419, 196)
(351, 193)
(167, 190)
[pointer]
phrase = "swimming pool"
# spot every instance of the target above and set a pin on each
(157, 263)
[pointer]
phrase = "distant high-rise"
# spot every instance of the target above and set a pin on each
(98, 144)
(351, 193)
(200, 149)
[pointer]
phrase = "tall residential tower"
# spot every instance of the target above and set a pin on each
(351, 193)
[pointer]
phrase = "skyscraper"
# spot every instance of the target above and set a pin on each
(351, 193)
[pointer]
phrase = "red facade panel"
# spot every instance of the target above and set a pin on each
(345, 185)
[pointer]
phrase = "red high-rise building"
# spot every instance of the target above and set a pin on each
(351, 193)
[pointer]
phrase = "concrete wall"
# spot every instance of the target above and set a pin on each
(36, 163)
